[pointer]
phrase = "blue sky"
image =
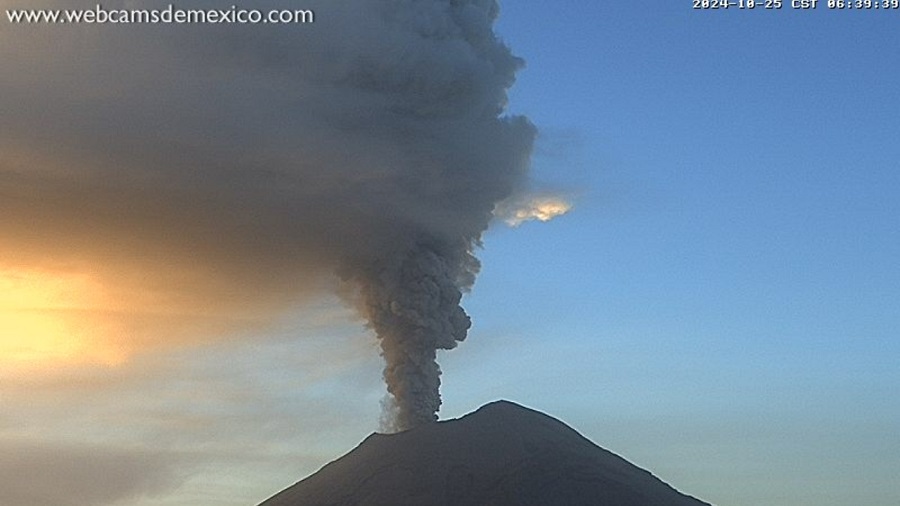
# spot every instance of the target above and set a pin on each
(719, 307)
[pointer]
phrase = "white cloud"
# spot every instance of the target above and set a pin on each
(524, 208)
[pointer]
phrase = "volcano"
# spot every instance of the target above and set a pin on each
(503, 454)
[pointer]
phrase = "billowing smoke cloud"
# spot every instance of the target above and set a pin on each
(229, 169)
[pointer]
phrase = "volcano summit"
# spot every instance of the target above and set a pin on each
(502, 454)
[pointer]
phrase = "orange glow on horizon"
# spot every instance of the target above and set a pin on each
(45, 321)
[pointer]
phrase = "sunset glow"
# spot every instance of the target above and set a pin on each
(45, 320)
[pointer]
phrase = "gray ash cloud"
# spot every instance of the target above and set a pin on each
(372, 144)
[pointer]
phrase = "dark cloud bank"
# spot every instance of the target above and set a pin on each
(236, 167)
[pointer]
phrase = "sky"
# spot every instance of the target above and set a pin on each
(720, 305)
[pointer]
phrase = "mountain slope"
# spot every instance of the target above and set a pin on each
(501, 455)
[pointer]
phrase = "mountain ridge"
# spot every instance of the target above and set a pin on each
(502, 454)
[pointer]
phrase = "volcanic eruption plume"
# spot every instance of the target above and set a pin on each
(229, 166)
(464, 160)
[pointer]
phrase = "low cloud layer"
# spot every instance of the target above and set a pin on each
(181, 424)
(61, 474)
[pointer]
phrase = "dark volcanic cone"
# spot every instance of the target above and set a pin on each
(501, 455)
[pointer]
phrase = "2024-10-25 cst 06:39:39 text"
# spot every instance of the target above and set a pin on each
(737, 4)
(796, 4)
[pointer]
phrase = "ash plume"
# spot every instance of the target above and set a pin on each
(251, 159)
(412, 302)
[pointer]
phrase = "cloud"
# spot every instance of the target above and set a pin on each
(232, 433)
(527, 207)
(38, 473)
(207, 179)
